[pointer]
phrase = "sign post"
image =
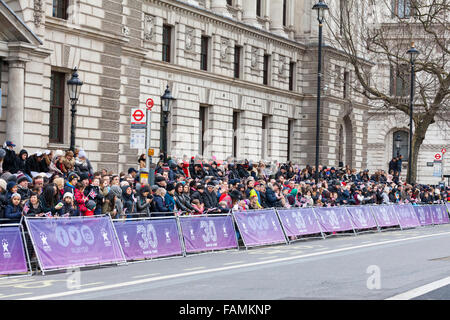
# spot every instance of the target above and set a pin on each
(148, 163)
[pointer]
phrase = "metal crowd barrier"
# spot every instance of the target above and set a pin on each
(61, 243)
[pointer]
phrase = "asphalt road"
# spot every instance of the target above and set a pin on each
(367, 266)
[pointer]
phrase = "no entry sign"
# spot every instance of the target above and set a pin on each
(149, 103)
(437, 156)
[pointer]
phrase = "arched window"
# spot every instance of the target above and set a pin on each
(401, 144)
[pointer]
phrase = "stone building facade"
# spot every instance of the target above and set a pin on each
(243, 72)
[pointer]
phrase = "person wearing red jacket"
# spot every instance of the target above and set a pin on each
(80, 198)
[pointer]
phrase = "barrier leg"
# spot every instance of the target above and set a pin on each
(180, 236)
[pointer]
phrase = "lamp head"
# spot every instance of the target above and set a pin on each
(321, 8)
(413, 53)
(166, 100)
(74, 86)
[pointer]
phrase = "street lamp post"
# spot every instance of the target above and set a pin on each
(166, 101)
(413, 53)
(74, 86)
(321, 7)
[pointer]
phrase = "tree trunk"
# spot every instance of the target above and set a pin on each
(417, 140)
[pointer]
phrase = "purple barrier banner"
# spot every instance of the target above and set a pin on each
(206, 233)
(334, 219)
(362, 217)
(439, 214)
(406, 216)
(385, 215)
(12, 254)
(299, 221)
(74, 242)
(259, 227)
(148, 238)
(448, 206)
(424, 215)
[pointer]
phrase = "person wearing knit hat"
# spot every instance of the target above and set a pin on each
(68, 209)
(68, 195)
(11, 188)
(13, 210)
(5, 176)
(22, 188)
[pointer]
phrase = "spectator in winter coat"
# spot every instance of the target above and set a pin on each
(160, 204)
(210, 197)
(82, 164)
(72, 181)
(32, 207)
(198, 193)
(117, 191)
(68, 162)
(69, 209)
(10, 159)
(109, 207)
(12, 188)
(13, 210)
(80, 198)
(49, 200)
(128, 200)
(94, 193)
(399, 164)
(169, 197)
(196, 170)
(33, 164)
(144, 200)
(21, 162)
(273, 200)
(22, 188)
(182, 203)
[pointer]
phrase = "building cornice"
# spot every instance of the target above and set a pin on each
(234, 25)
(85, 31)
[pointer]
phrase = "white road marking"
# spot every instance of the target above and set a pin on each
(185, 274)
(147, 275)
(421, 290)
(196, 268)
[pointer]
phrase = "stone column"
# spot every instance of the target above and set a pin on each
(249, 15)
(276, 9)
(220, 7)
(15, 106)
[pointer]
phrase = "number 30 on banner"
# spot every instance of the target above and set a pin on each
(210, 231)
(148, 236)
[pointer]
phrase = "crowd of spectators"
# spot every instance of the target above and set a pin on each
(56, 183)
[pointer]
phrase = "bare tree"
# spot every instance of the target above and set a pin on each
(381, 32)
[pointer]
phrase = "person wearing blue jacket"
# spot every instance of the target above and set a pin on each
(13, 210)
(160, 204)
(169, 197)
(271, 198)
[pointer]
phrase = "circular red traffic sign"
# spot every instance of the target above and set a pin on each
(437, 156)
(443, 150)
(149, 103)
(138, 115)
